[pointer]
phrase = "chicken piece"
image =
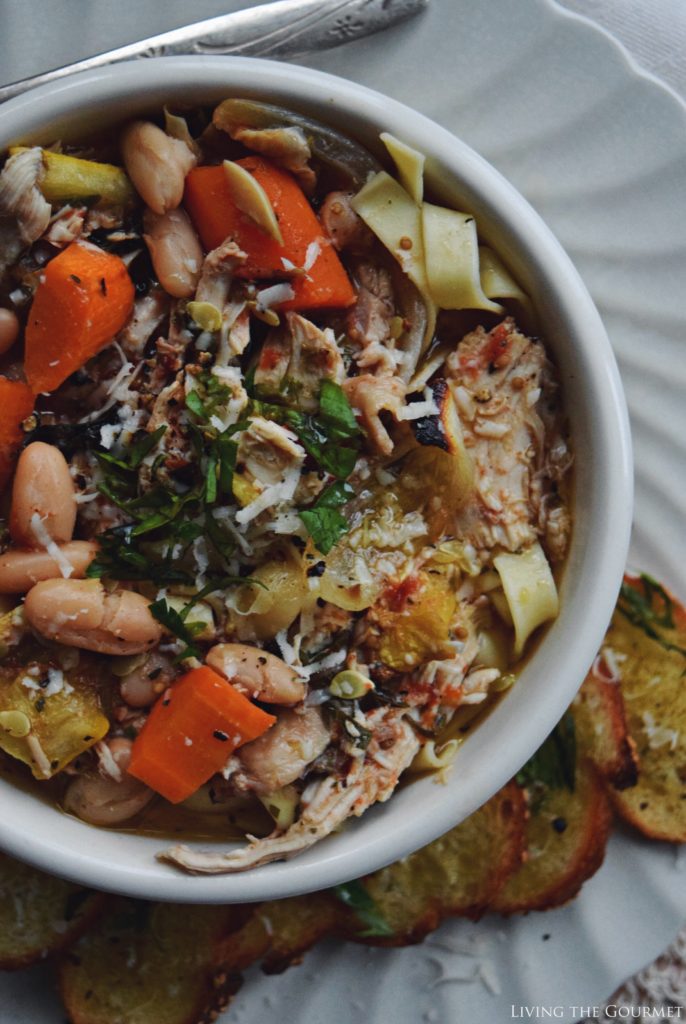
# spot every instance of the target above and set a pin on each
(370, 396)
(369, 321)
(343, 225)
(286, 147)
(326, 803)
(217, 273)
(24, 211)
(148, 313)
(268, 466)
(295, 360)
(496, 381)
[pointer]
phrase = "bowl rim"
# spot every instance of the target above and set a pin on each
(387, 832)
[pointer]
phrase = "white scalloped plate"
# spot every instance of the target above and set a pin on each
(600, 151)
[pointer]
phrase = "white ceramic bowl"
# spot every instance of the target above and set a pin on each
(33, 830)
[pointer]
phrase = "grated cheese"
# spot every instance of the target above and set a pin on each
(45, 540)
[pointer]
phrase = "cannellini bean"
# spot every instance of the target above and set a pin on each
(257, 673)
(20, 569)
(175, 251)
(142, 686)
(81, 613)
(157, 164)
(9, 329)
(42, 486)
(106, 801)
(281, 754)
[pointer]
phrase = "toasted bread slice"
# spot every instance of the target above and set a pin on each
(39, 914)
(648, 638)
(601, 726)
(279, 932)
(566, 835)
(151, 961)
(458, 874)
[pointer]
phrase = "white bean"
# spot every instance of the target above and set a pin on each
(81, 613)
(106, 801)
(157, 164)
(141, 687)
(280, 755)
(42, 486)
(20, 569)
(175, 251)
(9, 329)
(257, 674)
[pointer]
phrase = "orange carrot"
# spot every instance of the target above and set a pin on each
(16, 403)
(191, 732)
(209, 202)
(84, 297)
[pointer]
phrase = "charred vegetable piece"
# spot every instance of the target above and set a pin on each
(48, 715)
(142, 955)
(68, 178)
(442, 429)
(85, 296)
(215, 213)
(350, 161)
(16, 402)
(648, 639)
(191, 732)
(39, 914)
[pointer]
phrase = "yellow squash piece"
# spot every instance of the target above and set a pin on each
(414, 620)
(47, 726)
(69, 177)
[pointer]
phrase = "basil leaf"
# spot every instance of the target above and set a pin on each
(337, 411)
(355, 896)
(325, 526)
(335, 495)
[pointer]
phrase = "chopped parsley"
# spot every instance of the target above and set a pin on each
(651, 610)
(355, 896)
(553, 766)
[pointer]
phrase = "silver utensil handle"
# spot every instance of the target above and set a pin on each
(282, 30)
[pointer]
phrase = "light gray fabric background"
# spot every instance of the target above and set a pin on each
(48, 33)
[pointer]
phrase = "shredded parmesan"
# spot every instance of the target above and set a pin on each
(45, 540)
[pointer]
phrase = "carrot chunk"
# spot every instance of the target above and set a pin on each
(84, 297)
(191, 732)
(210, 205)
(16, 403)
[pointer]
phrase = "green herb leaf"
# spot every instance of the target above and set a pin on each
(174, 622)
(553, 766)
(355, 896)
(325, 524)
(337, 411)
(651, 611)
(195, 405)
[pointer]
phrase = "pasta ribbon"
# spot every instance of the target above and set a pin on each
(409, 164)
(396, 220)
(529, 589)
(452, 260)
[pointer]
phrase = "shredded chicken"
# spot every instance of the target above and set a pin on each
(24, 212)
(496, 376)
(325, 804)
(371, 396)
(296, 359)
(343, 226)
